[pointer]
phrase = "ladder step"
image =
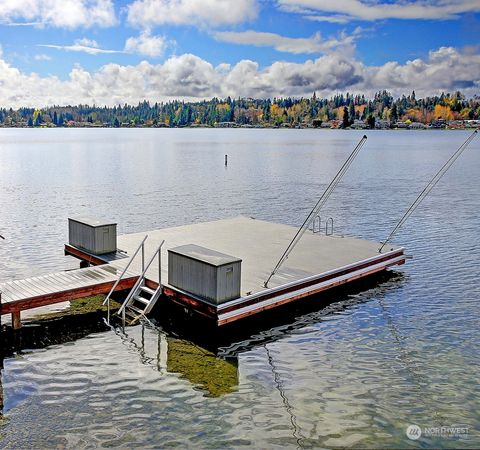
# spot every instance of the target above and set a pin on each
(141, 299)
(147, 289)
(129, 314)
(134, 308)
(134, 319)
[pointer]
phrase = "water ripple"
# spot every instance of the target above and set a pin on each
(353, 374)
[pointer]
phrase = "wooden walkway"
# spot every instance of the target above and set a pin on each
(20, 295)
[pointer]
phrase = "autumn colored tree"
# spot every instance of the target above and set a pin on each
(443, 112)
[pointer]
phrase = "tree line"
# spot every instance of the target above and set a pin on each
(345, 108)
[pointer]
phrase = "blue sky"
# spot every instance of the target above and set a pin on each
(69, 51)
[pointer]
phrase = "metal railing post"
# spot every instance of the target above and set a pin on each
(140, 279)
(160, 267)
(107, 298)
(143, 257)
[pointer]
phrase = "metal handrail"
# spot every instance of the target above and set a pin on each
(319, 224)
(141, 246)
(142, 276)
(329, 220)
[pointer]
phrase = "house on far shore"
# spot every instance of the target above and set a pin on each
(382, 124)
(438, 123)
(417, 126)
(226, 125)
(358, 125)
(472, 123)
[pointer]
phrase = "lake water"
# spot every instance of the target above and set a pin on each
(356, 373)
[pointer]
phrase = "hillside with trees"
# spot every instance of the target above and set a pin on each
(340, 111)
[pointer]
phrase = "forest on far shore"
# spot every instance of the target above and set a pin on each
(344, 109)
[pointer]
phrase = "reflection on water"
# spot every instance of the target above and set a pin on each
(202, 368)
(1, 388)
(354, 372)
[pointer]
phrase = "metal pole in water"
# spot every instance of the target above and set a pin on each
(432, 183)
(318, 206)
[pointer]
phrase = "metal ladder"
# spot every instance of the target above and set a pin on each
(141, 299)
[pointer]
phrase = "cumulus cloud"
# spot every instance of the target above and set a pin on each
(84, 45)
(445, 69)
(313, 44)
(58, 13)
(192, 78)
(146, 44)
(343, 10)
(148, 13)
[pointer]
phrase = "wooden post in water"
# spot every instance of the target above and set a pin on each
(16, 320)
(226, 160)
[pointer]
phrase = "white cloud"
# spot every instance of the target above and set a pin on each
(42, 57)
(147, 13)
(314, 44)
(445, 69)
(146, 44)
(85, 42)
(58, 13)
(190, 77)
(84, 45)
(337, 18)
(342, 10)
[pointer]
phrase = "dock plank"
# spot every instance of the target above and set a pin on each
(33, 292)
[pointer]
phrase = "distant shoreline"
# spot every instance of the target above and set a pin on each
(103, 127)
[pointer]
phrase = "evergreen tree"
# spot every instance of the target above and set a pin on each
(393, 114)
(346, 120)
(371, 121)
(351, 113)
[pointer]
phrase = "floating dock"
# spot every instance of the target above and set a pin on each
(319, 262)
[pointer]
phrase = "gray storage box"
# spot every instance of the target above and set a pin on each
(205, 273)
(92, 235)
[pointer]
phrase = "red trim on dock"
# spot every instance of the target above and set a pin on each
(299, 293)
(84, 256)
(311, 281)
(62, 296)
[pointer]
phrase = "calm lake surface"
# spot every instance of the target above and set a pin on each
(355, 373)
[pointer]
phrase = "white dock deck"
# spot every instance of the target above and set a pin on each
(259, 244)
